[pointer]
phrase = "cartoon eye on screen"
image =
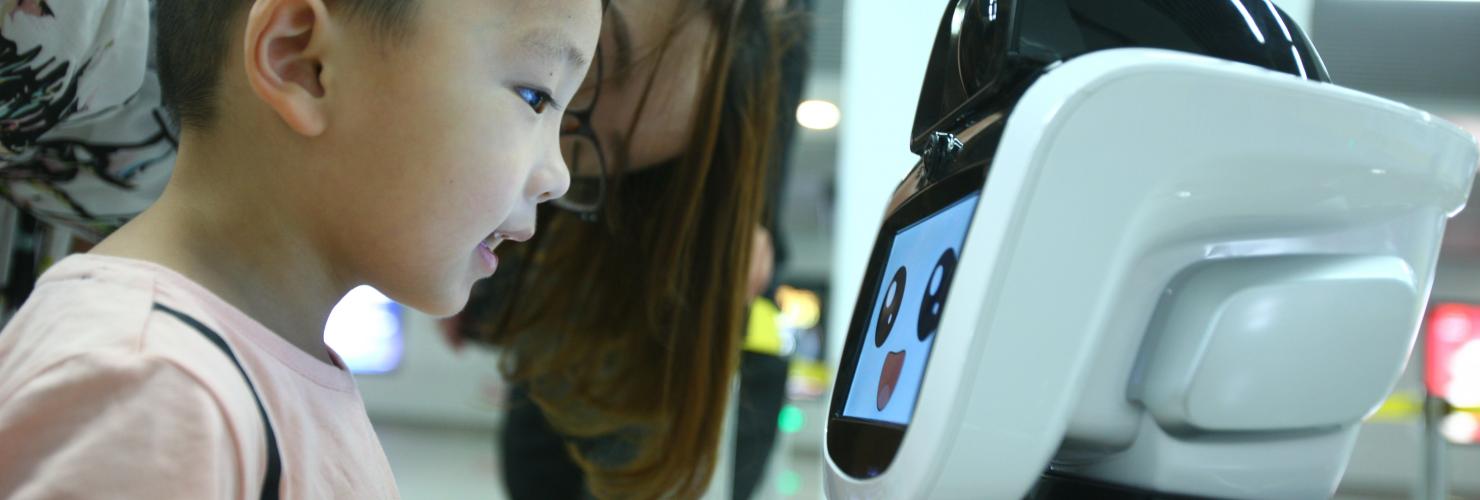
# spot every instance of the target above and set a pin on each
(935, 293)
(889, 312)
(922, 262)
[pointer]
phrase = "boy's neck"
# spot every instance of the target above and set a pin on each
(221, 226)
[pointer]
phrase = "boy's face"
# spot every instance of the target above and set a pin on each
(443, 143)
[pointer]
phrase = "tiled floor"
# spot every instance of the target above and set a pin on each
(440, 464)
(449, 463)
(459, 463)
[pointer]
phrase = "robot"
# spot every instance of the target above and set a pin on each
(1150, 251)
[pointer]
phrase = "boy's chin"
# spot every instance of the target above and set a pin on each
(442, 305)
(443, 312)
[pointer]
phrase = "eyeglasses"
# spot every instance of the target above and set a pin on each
(582, 150)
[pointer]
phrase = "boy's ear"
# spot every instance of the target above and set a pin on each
(285, 46)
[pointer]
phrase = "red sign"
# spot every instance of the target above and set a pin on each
(1452, 354)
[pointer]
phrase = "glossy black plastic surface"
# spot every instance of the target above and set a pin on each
(987, 52)
(969, 57)
(1052, 486)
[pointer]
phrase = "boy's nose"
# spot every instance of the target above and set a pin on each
(555, 178)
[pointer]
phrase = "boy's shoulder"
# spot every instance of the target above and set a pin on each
(96, 318)
(101, 392)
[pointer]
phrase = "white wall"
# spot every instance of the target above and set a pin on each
(885, 48)
(1301, 11)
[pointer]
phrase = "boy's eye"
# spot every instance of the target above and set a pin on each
(536, 99)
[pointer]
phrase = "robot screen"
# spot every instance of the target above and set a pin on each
(906, 313)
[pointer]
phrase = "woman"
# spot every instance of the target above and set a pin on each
(623, 323)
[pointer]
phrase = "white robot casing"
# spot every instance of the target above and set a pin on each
(1185, 275)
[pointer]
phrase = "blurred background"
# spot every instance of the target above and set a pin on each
(437, 410)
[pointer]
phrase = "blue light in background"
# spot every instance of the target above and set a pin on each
(365, 330)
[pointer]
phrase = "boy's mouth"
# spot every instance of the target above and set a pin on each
(490, 243)
(495, 238)
(485, 250)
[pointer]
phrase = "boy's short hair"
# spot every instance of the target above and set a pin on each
(193, 37)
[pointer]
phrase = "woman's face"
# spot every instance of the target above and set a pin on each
(634, 36)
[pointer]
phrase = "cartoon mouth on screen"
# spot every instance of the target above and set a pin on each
(931, 304)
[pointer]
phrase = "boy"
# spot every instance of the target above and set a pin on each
(325, 144)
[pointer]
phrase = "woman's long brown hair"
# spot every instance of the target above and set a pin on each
(630, 328)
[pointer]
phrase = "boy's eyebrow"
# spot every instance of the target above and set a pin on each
(555, 45)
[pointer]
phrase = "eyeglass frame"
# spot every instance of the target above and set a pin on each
(584, 130)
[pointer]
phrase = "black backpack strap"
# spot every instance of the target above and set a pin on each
(271, 480)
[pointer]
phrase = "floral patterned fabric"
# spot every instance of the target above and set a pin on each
(84, 140)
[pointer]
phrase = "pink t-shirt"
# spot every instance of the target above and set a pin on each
(102, 396)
